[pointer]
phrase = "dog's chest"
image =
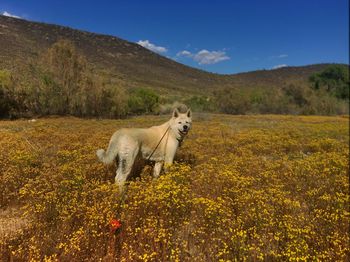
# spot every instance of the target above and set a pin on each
(159, 152)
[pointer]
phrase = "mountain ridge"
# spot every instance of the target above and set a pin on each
(131, 65)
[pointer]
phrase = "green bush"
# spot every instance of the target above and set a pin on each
(7, 103)
(291, 99)
(334, 79)
(233, 101)
(143, 100)
(200, 103)
(60, 82)
(258, 100)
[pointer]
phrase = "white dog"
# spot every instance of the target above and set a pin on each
(157, 143)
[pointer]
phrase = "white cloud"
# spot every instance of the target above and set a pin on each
(152, 47)
(184, 53)
(278, 56)
(279, 66)
(5, 13)
(205, 57)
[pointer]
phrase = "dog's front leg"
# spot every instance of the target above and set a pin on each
(157, 168)
(168, 160)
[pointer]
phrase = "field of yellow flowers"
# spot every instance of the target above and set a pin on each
(244, 188)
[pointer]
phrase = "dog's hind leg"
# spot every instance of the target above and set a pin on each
(126, 162)
(120, 177)
(157, 168)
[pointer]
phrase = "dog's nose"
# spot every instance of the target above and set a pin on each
(185, 127)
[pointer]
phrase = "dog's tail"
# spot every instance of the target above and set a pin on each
(109, 156)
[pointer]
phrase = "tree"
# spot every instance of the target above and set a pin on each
(7, 102)
(233, 101)
(63, 77)
(143, 100)
(334, 79)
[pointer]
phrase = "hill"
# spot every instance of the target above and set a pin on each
(115, 68)
(130, 63)
(126, 62)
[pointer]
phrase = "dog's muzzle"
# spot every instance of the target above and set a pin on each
(184, 131)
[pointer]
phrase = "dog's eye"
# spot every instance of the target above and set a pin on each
(180, 123)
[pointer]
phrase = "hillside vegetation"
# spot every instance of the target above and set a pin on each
(247, 188)
(49, 69)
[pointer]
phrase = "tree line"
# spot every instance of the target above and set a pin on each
(61, 82)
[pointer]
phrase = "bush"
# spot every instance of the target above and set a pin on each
(200, 104)
(7, 102)
(233, 101)
(169, 108)
(61, 82)
(114, 102)
(291, 99)
(143, 100)
(247, 101)
(334, 79)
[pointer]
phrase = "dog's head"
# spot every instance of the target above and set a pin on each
(181, 122)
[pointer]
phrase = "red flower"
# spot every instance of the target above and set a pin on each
(115, 224)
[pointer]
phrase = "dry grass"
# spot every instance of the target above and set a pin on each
(244, 188)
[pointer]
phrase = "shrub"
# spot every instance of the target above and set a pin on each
(334, 79)
(200, 104)
(7, 102)
(143, 100)
(61, 82)
(233, 101)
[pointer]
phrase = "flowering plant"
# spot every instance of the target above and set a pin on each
(115, 224)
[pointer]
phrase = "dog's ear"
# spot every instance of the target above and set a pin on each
(189, 113)
(176, 113)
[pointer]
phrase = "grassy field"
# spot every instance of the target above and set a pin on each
(244, 188)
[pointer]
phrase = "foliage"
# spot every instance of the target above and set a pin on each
(200, 104)
(7, 102)
(248, 101)
(243, 188)
(334, 79)
(234, 101)
(69, 87)
(113, 103)
(293, 99)
(143, 100)
(61, 82)
(127, 65)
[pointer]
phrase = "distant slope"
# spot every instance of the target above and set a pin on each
(130, 64)
(276, 77)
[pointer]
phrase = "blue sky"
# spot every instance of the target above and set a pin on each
(223, 36)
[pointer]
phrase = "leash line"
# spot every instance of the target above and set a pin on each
(123, 194)
(158, 143)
